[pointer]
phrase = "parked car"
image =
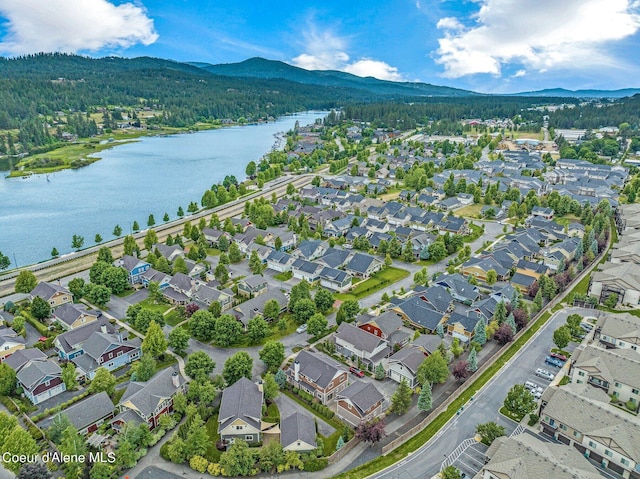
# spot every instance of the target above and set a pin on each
(586, 326)
(302, 328)
(543, 373)
(553, 362)
(559, 356)
(356, 371)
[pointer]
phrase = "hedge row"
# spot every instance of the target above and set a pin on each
(64, 405)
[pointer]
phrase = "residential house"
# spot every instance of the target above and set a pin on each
(147, 402)
(404, 365)
(306, 270)
(363, 265)
(428, 343)
(71, 316)
(318, 374)
(335, 279)
(297, 432)
(69, 344)
(454, 224)
(618, 331)
(310, 249)
(615, 371)
(542, 212)
(205, 294)
(212, 236)
(522, 281)
(252, 286)
(88, 414)
(159, 277)
(462, 326)
(479, 267)
(22, 357)
(279, 261)
(41, 380)
(388, 326)
(458, 287)
(109, 351)
(334, 258)
(10, 342)
(420, 314)
(622, 279)
(580, 416)
(179, 289)
(353, 341)
(437, 297)
(241, 412)
(52, 293)
(359, 402)
(134, 267)
(255, 306)
(524, 456)
(531, 269)
(287, 238)
(195, 270)
(168, 252)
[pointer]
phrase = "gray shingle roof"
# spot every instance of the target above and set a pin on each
(21, 357)
(297, 427)
(90, 410)
(36, 370)
(360, 262)
(359, 338)
(410, 358)
(317, 367)
(420, 312)
(69, 312)
(47, 290)
(146, 396)
(74, 338)
(362, 395)
(612, 365)
(241, 400)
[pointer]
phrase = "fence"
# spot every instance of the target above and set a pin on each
(340, 453)
(443, 407)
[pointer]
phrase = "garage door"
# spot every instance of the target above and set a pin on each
(616, 468)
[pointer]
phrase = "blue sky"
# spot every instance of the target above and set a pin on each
(483, 45)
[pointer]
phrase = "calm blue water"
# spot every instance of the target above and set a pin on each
(152, 176)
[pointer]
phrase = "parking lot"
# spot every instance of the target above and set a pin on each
(471, 460)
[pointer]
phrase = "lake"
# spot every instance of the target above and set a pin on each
(154, 175)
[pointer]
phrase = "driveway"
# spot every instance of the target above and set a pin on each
(288, 406)
(56, 400)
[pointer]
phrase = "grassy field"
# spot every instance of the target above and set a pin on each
(470, 211)
(286, 276)
(150, 305)
(378, 281)
(566, 219)
(276, 333)
(212, 454)
(173, 318)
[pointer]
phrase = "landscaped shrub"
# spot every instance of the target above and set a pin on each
(533, 419)
(313, 465)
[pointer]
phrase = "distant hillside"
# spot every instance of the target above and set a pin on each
(270, 69)
(564, 93)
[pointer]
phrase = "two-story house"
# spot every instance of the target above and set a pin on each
(41, 380)
(70, 343)
(88, 414)
(241, 412)
(134, 267)
(404, 365)
(71, 316)
(360, 402)
(146, 402)
(10, 342)
(388, 326)
(52, 293)
(353, 341)
(252, 286)
(318, 374)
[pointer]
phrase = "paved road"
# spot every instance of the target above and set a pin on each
(426, 461)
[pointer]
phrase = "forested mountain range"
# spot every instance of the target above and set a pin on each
(262, 68)
(38, 91)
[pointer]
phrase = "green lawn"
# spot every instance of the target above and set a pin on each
(476, 232)
(213, 252)
(126, 292)
(286, 276)
(566, 219)
(173, 318)
(375, 283)
(212, 454)
(470, 211)
(150, 305)
(167, 361)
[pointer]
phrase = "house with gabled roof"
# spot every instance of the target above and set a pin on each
(334, 258)
(462, 326)
(353, 341)
(168, 252)
(52, 293)
(622, 279)
(404, 364)
(22, 357)
(335, 279)
(479, 267)
(542, 212)
(134, 267)
(318, 374)
(179, 289)
(419, 314)
(388, 326)
(363, 265)
(522, 281)
(205, 294)
(240, 416)
(109, 351)
(71, 316)
(306, 270)
(10, 342)
(252, 286)
(146, 402)
(70, 343)
(581, 416)
(360, 402)
(41, 380)
(212, 236)
(618, 331)
(159, 277)
(615, 371)
(280, 261)
(298, 432)
(87, 415)
(458, 287)
(243, 312)
(437, 297)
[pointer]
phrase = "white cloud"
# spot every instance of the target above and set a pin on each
(326, 51)
(537, 35)
(520, 73)
(71, 26)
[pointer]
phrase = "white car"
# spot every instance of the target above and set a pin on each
(302, 328)
(543, 373)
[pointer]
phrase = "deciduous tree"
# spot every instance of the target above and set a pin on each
(154, 343)
(40, 309)
(227, 330)
(519, 401)
(433, 370)
(8, 380)
(25, 281)
(237, 366)
(257, 329)
(103, 381)
(562, 336)
(272, 355)
(372, 431)
(202, 325)
(489, 432)
(323, 300)
(179, 340)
